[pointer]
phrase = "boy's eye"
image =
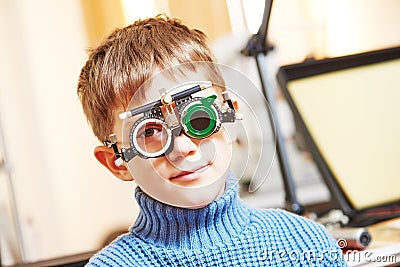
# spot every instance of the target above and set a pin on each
(151, 137)
(149, 132)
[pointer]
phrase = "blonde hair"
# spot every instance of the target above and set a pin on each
(127, 58)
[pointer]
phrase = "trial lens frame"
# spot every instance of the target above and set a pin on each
(166, 101)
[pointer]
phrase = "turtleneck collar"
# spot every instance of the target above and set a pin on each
(172, 227)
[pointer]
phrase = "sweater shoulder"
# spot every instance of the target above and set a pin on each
(283, 218)
(298, 228)
(290, 234)
(120, 252)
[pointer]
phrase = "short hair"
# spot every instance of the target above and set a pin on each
(127, 58)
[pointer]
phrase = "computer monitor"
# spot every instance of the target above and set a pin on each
(348, 109)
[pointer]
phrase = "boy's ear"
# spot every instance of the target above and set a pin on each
(106, 157)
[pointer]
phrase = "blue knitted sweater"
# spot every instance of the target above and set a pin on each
(225, 233)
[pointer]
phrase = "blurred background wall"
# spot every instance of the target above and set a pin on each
(67, 202)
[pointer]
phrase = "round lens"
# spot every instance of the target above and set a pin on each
(151, 138)
(200, 121)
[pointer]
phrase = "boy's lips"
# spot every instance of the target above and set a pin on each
(190, 175)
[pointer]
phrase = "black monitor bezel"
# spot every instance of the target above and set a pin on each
(310, 68)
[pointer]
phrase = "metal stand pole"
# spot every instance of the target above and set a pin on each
(258, 47)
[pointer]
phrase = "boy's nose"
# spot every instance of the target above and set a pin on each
(183, 147)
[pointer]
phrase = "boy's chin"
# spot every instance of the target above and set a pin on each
(196, 200)
(220, 193)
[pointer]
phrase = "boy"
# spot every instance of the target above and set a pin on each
(190, 212)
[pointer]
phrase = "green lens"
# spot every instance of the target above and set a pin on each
(200, 121)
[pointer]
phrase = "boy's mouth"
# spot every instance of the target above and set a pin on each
(191, 174)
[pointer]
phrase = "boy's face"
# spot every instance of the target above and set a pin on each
(193, 174)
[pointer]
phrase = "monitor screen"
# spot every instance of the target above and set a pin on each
(353, 116)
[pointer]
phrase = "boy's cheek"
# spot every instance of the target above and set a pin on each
(146, 168)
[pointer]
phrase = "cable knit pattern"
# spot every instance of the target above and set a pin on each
(225, 233)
